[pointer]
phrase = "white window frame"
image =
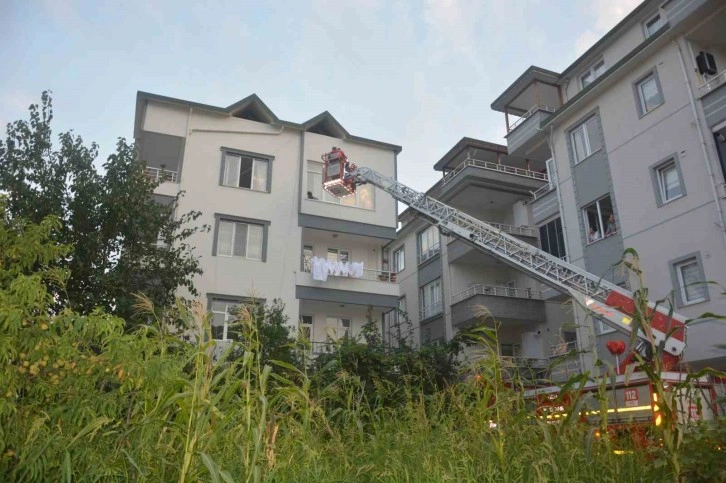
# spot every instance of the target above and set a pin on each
(592, 71)
(399, 260)
(600, 228)
(316, 189)
(433, 242)
(660, 173)
(682, 283)
(601, 328)
(338, 252)
(235, 224)
(306, 327)
(587, 140)
(228, 317)
(258, 164)
(431, 305)
(341, 330)
(657, 19)
(641, 97)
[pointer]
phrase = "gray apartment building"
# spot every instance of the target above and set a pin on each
(624, 148)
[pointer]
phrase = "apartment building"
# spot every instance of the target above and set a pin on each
(629, 143)
(257, 180)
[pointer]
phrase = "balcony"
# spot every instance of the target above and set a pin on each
(511, 305)
(368, 274)
(160, 175)
(430, 311)
(524, 134)
(713, 98)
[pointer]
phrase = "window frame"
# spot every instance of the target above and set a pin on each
(638, 92)
(582, 125)
(339, 326)
(601, 228)
(437, 282)
(679, 288)
(650, 19)
(226, 151)
(326, 197)
(230, 299)
(658, 185)
(218, 218)
(562, 246)
(395, 258)
(591, 71)
(433, 250)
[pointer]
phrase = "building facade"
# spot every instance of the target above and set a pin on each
(631, 138)
(258, 182)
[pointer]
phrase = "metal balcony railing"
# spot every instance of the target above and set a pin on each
(158, 174)
(525, 362)
(368, 274)
(502, 168)
(543, 190)
(563, 348)
(430, 310)
(714, 83)
(430, 253)
(529, 113)
(480, 289)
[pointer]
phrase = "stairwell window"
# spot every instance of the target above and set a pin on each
(240, 237)
(552, 238)
(648, 93)
(428, 243)
(430, 299)
(585, 139)
(399, 260)
(245, 171)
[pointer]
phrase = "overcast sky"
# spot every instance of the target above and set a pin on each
(420, 74)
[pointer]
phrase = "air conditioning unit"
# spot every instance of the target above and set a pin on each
(706, 64)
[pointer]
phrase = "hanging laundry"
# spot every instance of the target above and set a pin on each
(319, 269)
(336, 268)
(345, 269)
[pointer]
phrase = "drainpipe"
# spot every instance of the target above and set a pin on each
(702, 139)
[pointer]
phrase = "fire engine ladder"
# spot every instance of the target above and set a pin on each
(588, 289)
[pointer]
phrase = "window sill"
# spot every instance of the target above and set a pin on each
(667, 202)
(244, 189)
(340, 204)
(588, 156)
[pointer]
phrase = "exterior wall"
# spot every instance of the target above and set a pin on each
(408, 278)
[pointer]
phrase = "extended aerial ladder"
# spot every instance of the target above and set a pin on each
(606, 300)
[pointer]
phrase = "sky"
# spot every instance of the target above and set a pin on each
(417, 73)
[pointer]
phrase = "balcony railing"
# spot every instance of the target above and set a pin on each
(430, 310)
(525, 362)
(529, 113)
(430, 253)
(712, 84)
(563, 348)
(480, 289)
(373, 275)
(543, 190)
(502, 168)
(158, 174)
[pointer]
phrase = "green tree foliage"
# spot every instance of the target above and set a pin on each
(108, 217)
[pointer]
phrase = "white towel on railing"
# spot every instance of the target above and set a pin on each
(356, 269)
(319, 269)
(344, 269)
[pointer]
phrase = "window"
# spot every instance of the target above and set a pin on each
(394, 319)
(585, 139)
(592, 73)
(364, 195)
(399, 260)
(306, 327)
(242, 171)
(508, 349)
(601, 327)
(336, 255)
(307, 258)
(338, 327)
(652, 25)
(428, 243)
(690, 288)
(648, 93)
(599, 220)
(430, 299)
(225, 315)
(240, 237)
(552, 238)
(670, 182)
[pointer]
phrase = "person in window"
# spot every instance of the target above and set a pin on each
(593, 235)
(310, 196)
(611, 229)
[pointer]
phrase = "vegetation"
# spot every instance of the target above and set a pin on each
(83, 399)
(121, 241)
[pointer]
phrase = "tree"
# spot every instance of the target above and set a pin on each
(110, 219)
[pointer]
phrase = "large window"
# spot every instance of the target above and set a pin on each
(552, 238)
(585, 139)
(225, 314)
(338, 255)
(599, 219)
(364, 195)
(338, 327)
(690, 278)
(595, 71)
(236, 239)
(430, 299)
(648, 93)
(399, 260)
(428, 243)
(242, 171)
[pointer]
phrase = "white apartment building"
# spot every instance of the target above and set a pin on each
(257, 180)
(631, 140)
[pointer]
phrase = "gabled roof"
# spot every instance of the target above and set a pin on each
(252, 108)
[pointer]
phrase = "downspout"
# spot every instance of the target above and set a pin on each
(702, 139)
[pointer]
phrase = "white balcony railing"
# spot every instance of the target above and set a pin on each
(562, 348)
(480, 289)
(524, 362)
(543, 190)
(158, 174)
(714, 83)
(430, 310)
(529, 113)
(368, 274)
(502, 168)
(522, 230)
(430, 253)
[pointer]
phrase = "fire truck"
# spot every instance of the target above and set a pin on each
(631, 397)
